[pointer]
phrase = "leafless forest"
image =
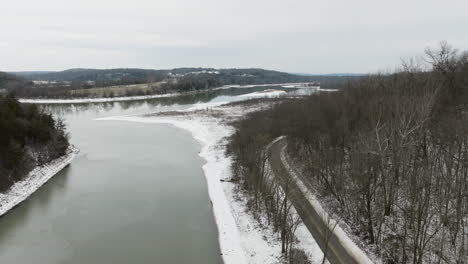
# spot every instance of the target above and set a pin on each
(388, 154)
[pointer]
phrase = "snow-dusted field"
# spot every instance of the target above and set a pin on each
(242, 239)
(21, 190)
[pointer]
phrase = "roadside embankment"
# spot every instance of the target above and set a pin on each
(338, 247)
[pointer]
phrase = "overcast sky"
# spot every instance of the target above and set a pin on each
(305, 36)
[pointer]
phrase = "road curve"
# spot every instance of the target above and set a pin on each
(330, 244)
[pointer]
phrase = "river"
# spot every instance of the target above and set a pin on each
(135, 194)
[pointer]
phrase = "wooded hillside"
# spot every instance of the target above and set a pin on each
(28, 137)
(388, 156)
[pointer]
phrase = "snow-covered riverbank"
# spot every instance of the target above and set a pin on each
(242, 239)
(21, 190)
(335, 227)
(96, 100)
(137, 98)
(216, 168)
(267, 93)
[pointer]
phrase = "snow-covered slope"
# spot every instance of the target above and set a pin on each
(21, 190)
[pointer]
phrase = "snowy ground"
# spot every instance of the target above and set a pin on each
(266, 93)
(300, 86)
(21, 190)
(305, 86)
(241, 237)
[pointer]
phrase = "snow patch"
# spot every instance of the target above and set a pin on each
(266, 93)
(328, 90)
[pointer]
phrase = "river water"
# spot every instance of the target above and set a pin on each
(135, 194)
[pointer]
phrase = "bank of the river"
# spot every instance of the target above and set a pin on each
(142, 97)
(96, 100)
(138, 191)
(21, 190)
(241, 238)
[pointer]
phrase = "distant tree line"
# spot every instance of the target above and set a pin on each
(65, 84)
(388, 154)
(28, 138)
(9, 82)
